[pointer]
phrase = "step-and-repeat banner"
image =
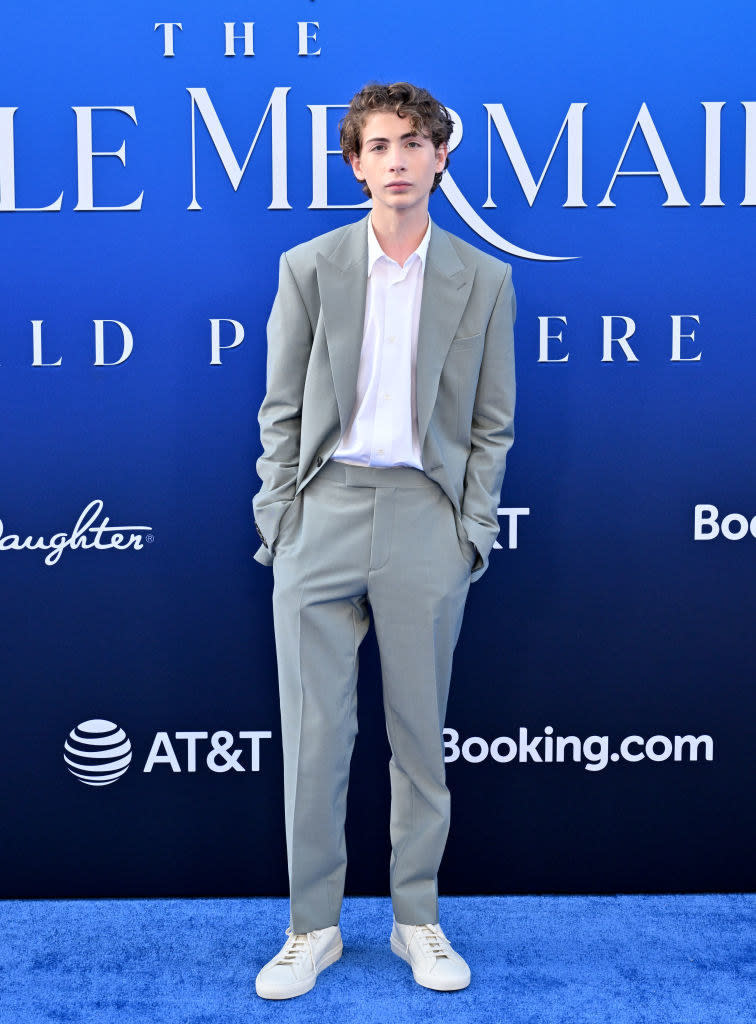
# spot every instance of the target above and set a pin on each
(600, 728)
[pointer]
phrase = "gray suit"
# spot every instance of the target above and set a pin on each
(403, 543)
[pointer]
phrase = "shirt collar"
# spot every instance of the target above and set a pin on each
(375, 251)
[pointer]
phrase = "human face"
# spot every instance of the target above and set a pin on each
(398, 165)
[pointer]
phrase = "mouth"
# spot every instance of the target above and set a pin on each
(398, 185)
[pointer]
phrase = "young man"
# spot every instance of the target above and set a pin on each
(385, 428)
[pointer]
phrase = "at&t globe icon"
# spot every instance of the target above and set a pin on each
(97, 752)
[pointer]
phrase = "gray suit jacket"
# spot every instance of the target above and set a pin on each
(465, 375)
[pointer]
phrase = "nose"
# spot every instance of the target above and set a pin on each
(397, 161)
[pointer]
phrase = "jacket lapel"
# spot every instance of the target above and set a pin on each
(446, 288)
(342, 283)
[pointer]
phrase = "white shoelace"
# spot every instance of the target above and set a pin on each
(296, 948)
(434, 942)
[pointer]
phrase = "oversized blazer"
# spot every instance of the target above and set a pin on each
(465, 375)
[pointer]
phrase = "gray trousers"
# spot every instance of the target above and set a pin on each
(357, 539)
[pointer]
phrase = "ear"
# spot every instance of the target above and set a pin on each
(356, 166)
(441, 154)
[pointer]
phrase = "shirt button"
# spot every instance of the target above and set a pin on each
(379, 451)
(391, 337)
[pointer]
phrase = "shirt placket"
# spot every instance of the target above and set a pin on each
(383, 438)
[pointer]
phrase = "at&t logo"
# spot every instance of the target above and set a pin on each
(97, 752)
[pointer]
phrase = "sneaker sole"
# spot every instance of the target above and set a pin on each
(307, 983)
(396, 947)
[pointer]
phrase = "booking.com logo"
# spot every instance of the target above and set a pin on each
(707, 524)
(592, 751)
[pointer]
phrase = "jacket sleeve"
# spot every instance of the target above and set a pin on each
(290, 335)
(492, 432)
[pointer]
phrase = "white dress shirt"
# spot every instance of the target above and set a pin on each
(382, 430)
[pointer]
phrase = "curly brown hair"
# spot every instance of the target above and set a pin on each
(426, 116)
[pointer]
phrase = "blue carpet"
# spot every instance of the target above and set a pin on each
(681, 959)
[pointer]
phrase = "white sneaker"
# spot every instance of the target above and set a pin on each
(295, 969)
(429, 953)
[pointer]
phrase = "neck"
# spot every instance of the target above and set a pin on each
(399, 232)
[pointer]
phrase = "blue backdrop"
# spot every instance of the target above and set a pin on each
(609, 154)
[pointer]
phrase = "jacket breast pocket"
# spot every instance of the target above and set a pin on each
(463, 366)
(468, 341)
